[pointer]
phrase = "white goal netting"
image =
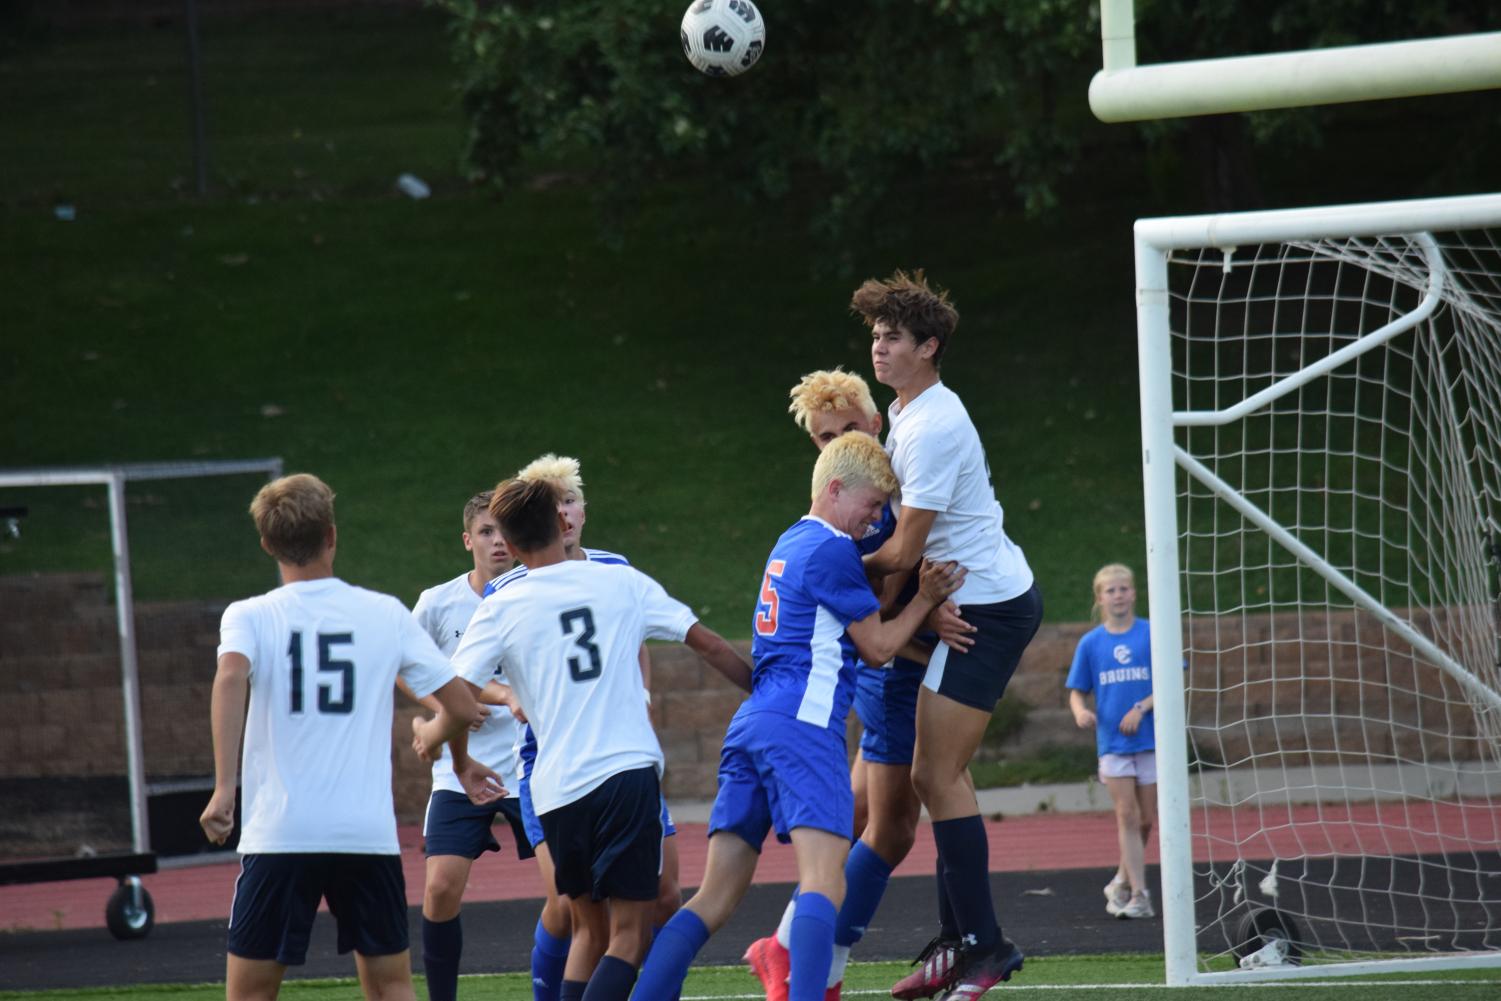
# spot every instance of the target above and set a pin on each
(1337, 432)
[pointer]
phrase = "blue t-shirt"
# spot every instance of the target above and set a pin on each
(813, 588)
(1117, 667)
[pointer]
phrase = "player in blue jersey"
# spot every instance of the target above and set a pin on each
(783, 766)
(948, 512)
(551, 935)
(827, 404)
(1114, 661)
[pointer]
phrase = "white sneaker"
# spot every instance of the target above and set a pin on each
(1117, 894)
(1139, 906)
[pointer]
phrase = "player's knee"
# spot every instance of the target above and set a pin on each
(1128, 815)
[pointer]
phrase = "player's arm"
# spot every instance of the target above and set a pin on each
(227, 719)
(904, 549)
(460, 710)
(1084, 717)
(721, 656)
(427, 702)
(878, 641)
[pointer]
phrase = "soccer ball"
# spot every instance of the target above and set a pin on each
(723, 37)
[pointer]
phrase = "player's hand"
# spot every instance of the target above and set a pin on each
(427, 749)
(1131, 722)
(218, 819)
(950, 626)
(1084, 719)
(939, 580)
(481, 785)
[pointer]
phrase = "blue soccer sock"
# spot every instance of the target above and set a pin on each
(611, 981)
(671, 954)
(657, 930)
(549, 956)
(442, 942)
(965, 851)
(865, 878)
(812, 946)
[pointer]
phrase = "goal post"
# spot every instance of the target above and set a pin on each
(196, 541)
(1321, 456)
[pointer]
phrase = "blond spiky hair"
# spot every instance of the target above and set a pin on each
(560, 470)
(854, 459)
(826, 391)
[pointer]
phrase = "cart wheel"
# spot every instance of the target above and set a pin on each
(130, 912)
(1269, 935)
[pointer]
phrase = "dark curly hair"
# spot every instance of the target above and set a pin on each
(907, 302)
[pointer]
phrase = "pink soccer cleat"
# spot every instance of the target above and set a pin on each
(772, 964)
(935, 971)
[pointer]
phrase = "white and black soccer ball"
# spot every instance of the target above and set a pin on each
(723, 37)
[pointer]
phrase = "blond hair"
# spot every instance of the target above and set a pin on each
(825, 392)
(855, 459)
(294, 515)
(560, 470)
(1110, 571)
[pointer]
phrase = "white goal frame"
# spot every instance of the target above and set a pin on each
(1124, 92)
(114, 478)
(1155, 239)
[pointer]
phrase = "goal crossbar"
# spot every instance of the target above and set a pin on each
(1122, 91)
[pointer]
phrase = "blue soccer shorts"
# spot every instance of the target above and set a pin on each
(978, 677)
(277, 895)
(779, 773)
(455, 826)
(886, 702)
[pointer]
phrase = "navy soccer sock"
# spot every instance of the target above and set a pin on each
(573, 990)
(612, 980)
(965, 851)
(812, 946)
(442, 942)
(948, 925)
(549, 956)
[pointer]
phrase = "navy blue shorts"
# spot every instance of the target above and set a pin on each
(276, 896)
(455, 826)
(779, 773)
(886, 702)
(977, 677)
(608, 843)
(533, 827)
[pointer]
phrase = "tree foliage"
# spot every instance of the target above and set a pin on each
(851, 99)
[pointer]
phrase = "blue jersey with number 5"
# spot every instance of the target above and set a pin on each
(814, 586)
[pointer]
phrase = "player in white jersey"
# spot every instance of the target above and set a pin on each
(567, 635)
(456, 831)
(317, 660)
(948, 511)
(550, 937)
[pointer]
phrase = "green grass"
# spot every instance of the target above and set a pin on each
(414, 352)
(1135, 976)
(1046, 764)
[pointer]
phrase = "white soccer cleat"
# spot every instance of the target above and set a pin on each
(1117, 895)
(1139, 906)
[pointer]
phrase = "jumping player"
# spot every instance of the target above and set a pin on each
(317, 660)
(827, 404)
(948, 511)
(783, 766)
(567, 635)
(455, 831)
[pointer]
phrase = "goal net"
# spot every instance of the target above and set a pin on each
(1321, 415)
(113, 579)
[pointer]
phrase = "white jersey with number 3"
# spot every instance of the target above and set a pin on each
(567, 636)
(324, 656)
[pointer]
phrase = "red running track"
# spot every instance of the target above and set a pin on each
(1040, 842)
